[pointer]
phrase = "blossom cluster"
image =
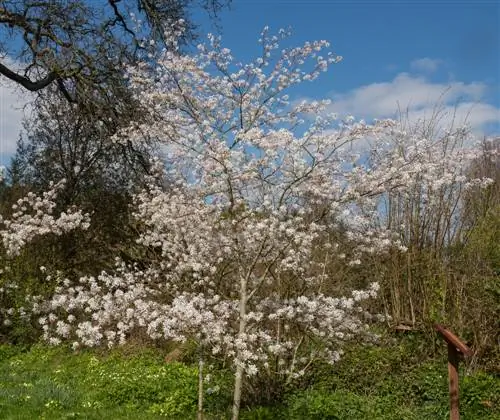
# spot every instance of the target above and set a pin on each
(33, 215)
(424, 179)
(106, 309)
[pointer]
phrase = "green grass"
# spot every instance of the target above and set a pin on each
(379, 383)
(53, 383)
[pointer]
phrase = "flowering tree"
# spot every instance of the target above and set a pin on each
(247, 192)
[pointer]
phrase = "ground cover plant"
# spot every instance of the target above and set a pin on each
(55, 383)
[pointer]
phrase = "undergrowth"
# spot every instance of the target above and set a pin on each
(395, 381)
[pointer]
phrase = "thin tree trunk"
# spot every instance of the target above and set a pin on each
(238, 380)
(244, 297)
(200, 385)
(238, 385)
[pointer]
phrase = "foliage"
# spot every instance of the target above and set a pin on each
(398, 380)
(342, 405)
(54, 383)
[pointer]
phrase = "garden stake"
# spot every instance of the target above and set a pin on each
(455, 348)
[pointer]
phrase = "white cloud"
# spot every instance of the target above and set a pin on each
(11, 114)
(13, 99)
(459, 102)
(425, 65)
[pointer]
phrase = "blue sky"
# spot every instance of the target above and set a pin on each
(379, 39)
(406, 52)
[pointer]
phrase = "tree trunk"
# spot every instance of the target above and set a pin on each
(238, 380)
(200, 385)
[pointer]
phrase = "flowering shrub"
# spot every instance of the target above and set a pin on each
(249, 187)
(33, 216)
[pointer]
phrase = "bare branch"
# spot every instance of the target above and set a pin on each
(25, 81)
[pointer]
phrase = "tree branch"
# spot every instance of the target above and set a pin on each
(26, 82)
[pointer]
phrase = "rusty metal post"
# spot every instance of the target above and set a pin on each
(456, 348)
(453, 379)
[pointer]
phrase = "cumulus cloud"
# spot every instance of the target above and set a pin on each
(457, 101)
(425, 65)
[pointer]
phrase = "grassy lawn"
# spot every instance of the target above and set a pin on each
(370, 383)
